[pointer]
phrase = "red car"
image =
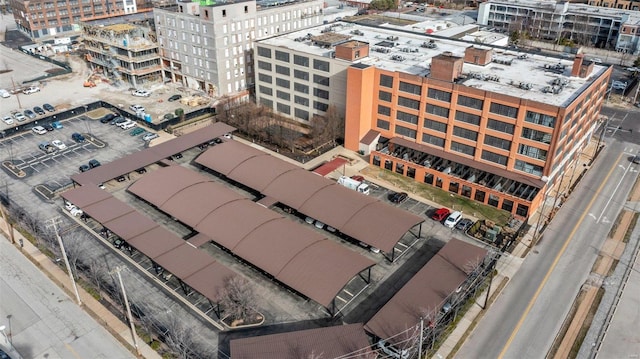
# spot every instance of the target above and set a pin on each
(440, 214)
(357, 178)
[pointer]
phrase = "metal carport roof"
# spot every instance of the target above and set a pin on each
(426, 292)
(318, 270)
(364, 218)
(151, 155)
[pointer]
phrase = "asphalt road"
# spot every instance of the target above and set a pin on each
(43, 321)
(524, 320)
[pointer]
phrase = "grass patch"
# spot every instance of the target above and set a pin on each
(612, 267)
(439, 196)
(632, 226)
(615, 225)
(599, 259)
(575, 348)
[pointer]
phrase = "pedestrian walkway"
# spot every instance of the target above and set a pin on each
(113, 324)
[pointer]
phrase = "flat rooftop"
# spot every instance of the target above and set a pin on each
(400, 51)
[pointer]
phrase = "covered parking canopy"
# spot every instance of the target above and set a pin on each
(192, 266)
(361, 217)
(426, 292)
(298, 257)
(132, 162)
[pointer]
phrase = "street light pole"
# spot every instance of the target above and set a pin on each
(126, 303)
(66, 260)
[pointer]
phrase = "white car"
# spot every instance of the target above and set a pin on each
(69, 206)
(59, 144)
(128, 125)
(4, 93)
(633, 69)
(39, 130)
(141, 93)
(149, 136)
(7, 119)
(30, 90)
(19, 116)
(453, 219)
(76, 212)
(596, 60)
(619, 85)
(137, 108)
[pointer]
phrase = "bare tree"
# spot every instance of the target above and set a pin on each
(76, 246)
(238, 298)
(335, 124)
(318, 132)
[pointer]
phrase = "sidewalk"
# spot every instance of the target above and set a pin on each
(113, 324)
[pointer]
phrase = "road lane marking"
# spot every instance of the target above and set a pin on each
(555, 262)
(614, 190)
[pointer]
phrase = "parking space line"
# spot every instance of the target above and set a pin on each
(341, 299)
(346, 291)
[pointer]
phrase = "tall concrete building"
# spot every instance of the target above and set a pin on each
(46, 19)
(494, 125)
(209, 46)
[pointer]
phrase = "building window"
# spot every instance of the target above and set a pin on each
(282, 56)
(301, 100)
(497, 142)
(301, 60)
(528, 167)
(300, 88)
(301, 114)
(480, 196)
(433, 140)
(507, 205)
(282, 83)
(283, 95)
(382, 124)
(266, 90)
(302, 75)
(438, 110)
(540, 119)
(266, 102)
(386, 81)
(536, 135)
(409, 103)
(493, 200)
(410, 88)
(407, 117)
(264, 52)
(384, 110)
(439, 95)
(503, 110)
(500, 126)
(322, 80)
(321, 93)
(522, 210)
(468, 118)
(403, 131)
(283, 108)
(465, 133)
(321, 65)
(264, 78)
(494, 157)
(435, 125)
(533, 152)
(384, 96)
(282, 70)
(470, 102)
(320, 106)
(462, 148)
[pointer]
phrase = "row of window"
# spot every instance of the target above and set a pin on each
(297, 87)
(299, 113)
(282, 56)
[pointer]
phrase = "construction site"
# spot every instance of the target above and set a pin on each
(122, 55)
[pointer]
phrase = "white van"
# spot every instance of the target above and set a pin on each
(453, 219)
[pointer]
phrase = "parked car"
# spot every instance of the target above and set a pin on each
(137, 108)
(108, 117)
(398, 197)
(30, 90)
(39, 110)
(141, 93)
(118, 120)
(46, 147)
(136, 131)
(4, 93)
(357, 178)
(320, 225)
(48, 127)
(464, 224)
(48, 107)
(128, 125)
(440, 214)
(619, 85)
(84, 168)
(636, 159)
(120, 179)
(56, 124)
(174, 98)
(118, 243)
(39, 130)
(77, 137)
(7, 119)
(76, 212)
(94, 163)
(596, 60)
(453, 219)
(309, 220)
(30, 114)
(149, 136)
(18, 116)
(59, 144)
(141, 170)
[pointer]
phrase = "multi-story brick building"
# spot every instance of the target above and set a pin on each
(209, 46)
(490, 124)
(43, 19)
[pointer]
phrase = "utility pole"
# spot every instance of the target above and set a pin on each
(604, 128)
(126, 304)
(14, 88)
(66, 260)
(421, 342)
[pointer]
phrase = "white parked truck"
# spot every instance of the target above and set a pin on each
(354, 184)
